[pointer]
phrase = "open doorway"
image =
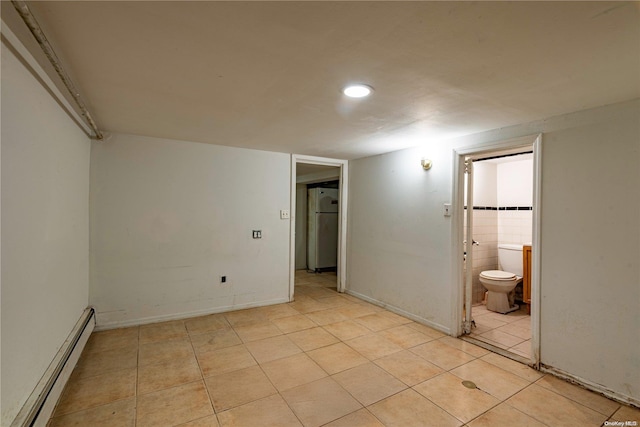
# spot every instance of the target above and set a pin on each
(318, 225)
(498, 228)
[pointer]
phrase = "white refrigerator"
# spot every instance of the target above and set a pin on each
(322, 228)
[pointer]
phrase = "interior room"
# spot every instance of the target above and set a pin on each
(156, 159)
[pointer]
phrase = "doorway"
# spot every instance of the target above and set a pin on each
(498, 224)
(318, 233)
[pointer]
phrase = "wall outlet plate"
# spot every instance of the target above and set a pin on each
(284, 214)
(447, 209)
(257, 234)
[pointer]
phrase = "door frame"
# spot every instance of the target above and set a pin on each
(342, 217)
(459, 155)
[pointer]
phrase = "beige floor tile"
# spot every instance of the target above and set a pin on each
(356, 310)
(523, 349)
(337, 358)
(225, 360)
(504, 415)
(295, 323)
(491, 379)
(293, 371)
(250, 316)
(405, 336)
(487, 322)
(277, 311)
(174, 405)
(553, 409)
(238, 387)
(380, 321)
(519, 369)
(257, 331)
(307, 305)
(373, 346)
(164, 351)
(524, 323)
(502, 338)
(360, 418)
(333, 300)
(123, 338)
(106, 361)
(168, 374)
(310, 339)
(162, 331)
(408, 367)
(95, 391)
(120, 413)
(326, 317)
(273, 348)
(626, 413)
(409, 408)
(369, 383)
(202, 324)
(271, 411)
(347, 330)
(578, 394)
(215, 340)
(430, 332)
(446, 391)
(467, 347)
(516, 330)
(442, 355)
(320, 402)
(210, 421)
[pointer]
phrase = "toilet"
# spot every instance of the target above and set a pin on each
(500, 284)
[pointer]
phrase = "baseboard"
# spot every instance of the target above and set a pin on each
(597, 388)
(40, 405)
(401, 312)
(103, 326)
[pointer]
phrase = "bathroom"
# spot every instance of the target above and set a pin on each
(502, 224)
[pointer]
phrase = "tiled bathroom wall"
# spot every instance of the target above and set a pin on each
(515, 226)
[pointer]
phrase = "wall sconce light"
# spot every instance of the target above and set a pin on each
(426, 164)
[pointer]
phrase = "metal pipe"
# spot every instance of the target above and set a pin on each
(34, 27)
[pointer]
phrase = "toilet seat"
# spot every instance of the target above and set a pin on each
(497, 275)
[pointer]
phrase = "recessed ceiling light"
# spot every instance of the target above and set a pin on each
(357, 91)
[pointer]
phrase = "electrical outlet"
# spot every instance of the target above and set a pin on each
(284, 214)
(223, 279)
(447, 209)
(257, 234)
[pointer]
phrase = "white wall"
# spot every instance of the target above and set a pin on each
(400, 243)
(168, 218)
(45, 231)
(515, 183)
(485, 190)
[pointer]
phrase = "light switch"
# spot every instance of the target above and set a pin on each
(284, 214)
(447, 209)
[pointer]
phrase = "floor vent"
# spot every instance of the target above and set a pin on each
(40, 405)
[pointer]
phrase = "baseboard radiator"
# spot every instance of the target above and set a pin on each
(40, 405)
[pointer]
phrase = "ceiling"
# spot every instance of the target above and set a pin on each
(268, 75)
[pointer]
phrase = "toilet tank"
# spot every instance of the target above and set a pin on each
(510, 258)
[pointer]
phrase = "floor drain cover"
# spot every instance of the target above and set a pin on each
(469, 384)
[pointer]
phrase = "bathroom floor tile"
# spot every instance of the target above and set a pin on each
(491, 379)
(293, 371)
(369, 383)
(120, 413)
(446, 391)
(360, 418)
(373, 346)
(212, 322)
(442, 355)
(337, 357)
(320, 402)
(238, 387)
(516, 330)
(408, 367)
(519, 369)
(162, 331)
(269, 411)
(409, 408)
(174, 405)
(84, 393)
(164, 351)
(523, 349)
(273, 348)
(225, 360)
(310, 339)
(168, 374)
(295, 323)
(553, 409)
(502, 338)
(216, 340)
(578, 394)
(467, 347)
(504, 415)
(347, 330)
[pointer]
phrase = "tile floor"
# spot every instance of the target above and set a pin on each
(511, 331)
(325, 359)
